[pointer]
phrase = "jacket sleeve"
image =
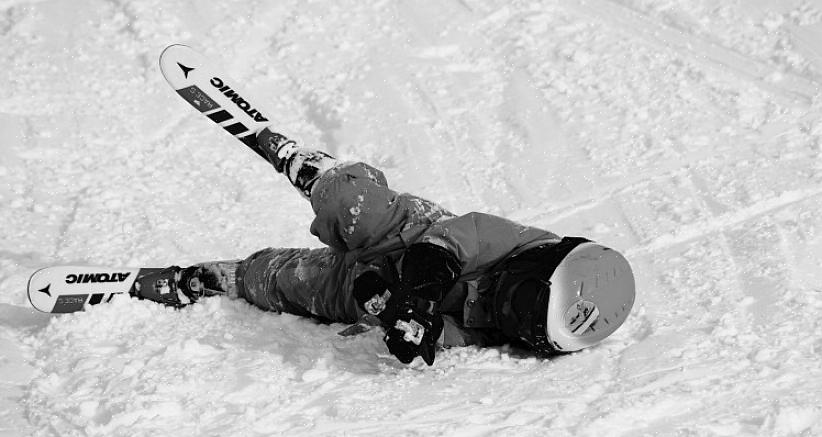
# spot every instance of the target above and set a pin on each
(478, 241)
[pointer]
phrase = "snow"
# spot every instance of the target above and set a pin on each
(687, 134)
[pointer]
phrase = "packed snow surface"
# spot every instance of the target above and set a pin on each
(687, 134)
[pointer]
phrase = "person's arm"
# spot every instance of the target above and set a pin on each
(449, 250)
(468, 244)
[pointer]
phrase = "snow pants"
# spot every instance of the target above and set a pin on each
(297, 281)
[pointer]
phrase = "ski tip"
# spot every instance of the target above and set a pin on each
(172, 47)
(29, 290)
(173, 51)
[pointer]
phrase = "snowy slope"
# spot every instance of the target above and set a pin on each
(685, 133)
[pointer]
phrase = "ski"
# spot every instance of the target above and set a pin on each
(207, 88)
(67, 289)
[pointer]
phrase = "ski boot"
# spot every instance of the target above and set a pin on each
(177, 287)
(302, 166)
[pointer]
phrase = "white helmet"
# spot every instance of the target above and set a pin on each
(563, 296)
(592, 293)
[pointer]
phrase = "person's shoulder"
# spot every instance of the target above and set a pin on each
(484, 217)
(357, 170)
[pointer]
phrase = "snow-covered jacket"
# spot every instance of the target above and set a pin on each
(359, 216)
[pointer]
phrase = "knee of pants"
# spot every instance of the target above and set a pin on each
(344, 174)
(354, 207)
(268, 279)
(256, 280)
(293, 280)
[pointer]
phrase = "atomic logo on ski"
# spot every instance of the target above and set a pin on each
(45, 290)
(185, 69)
(238, 100)
(85, 278)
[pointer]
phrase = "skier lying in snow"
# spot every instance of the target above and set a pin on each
(428, 277)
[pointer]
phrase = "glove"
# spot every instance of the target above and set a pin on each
(429, 271)
(414, 333)
(412, 325)
(373, 295)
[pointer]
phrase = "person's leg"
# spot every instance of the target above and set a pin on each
(301, 165)
(354, 207)
(305, 282)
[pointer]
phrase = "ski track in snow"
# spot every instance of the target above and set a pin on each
(685, 133)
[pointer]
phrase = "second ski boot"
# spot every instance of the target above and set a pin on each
(177, 287)
(302, 166)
